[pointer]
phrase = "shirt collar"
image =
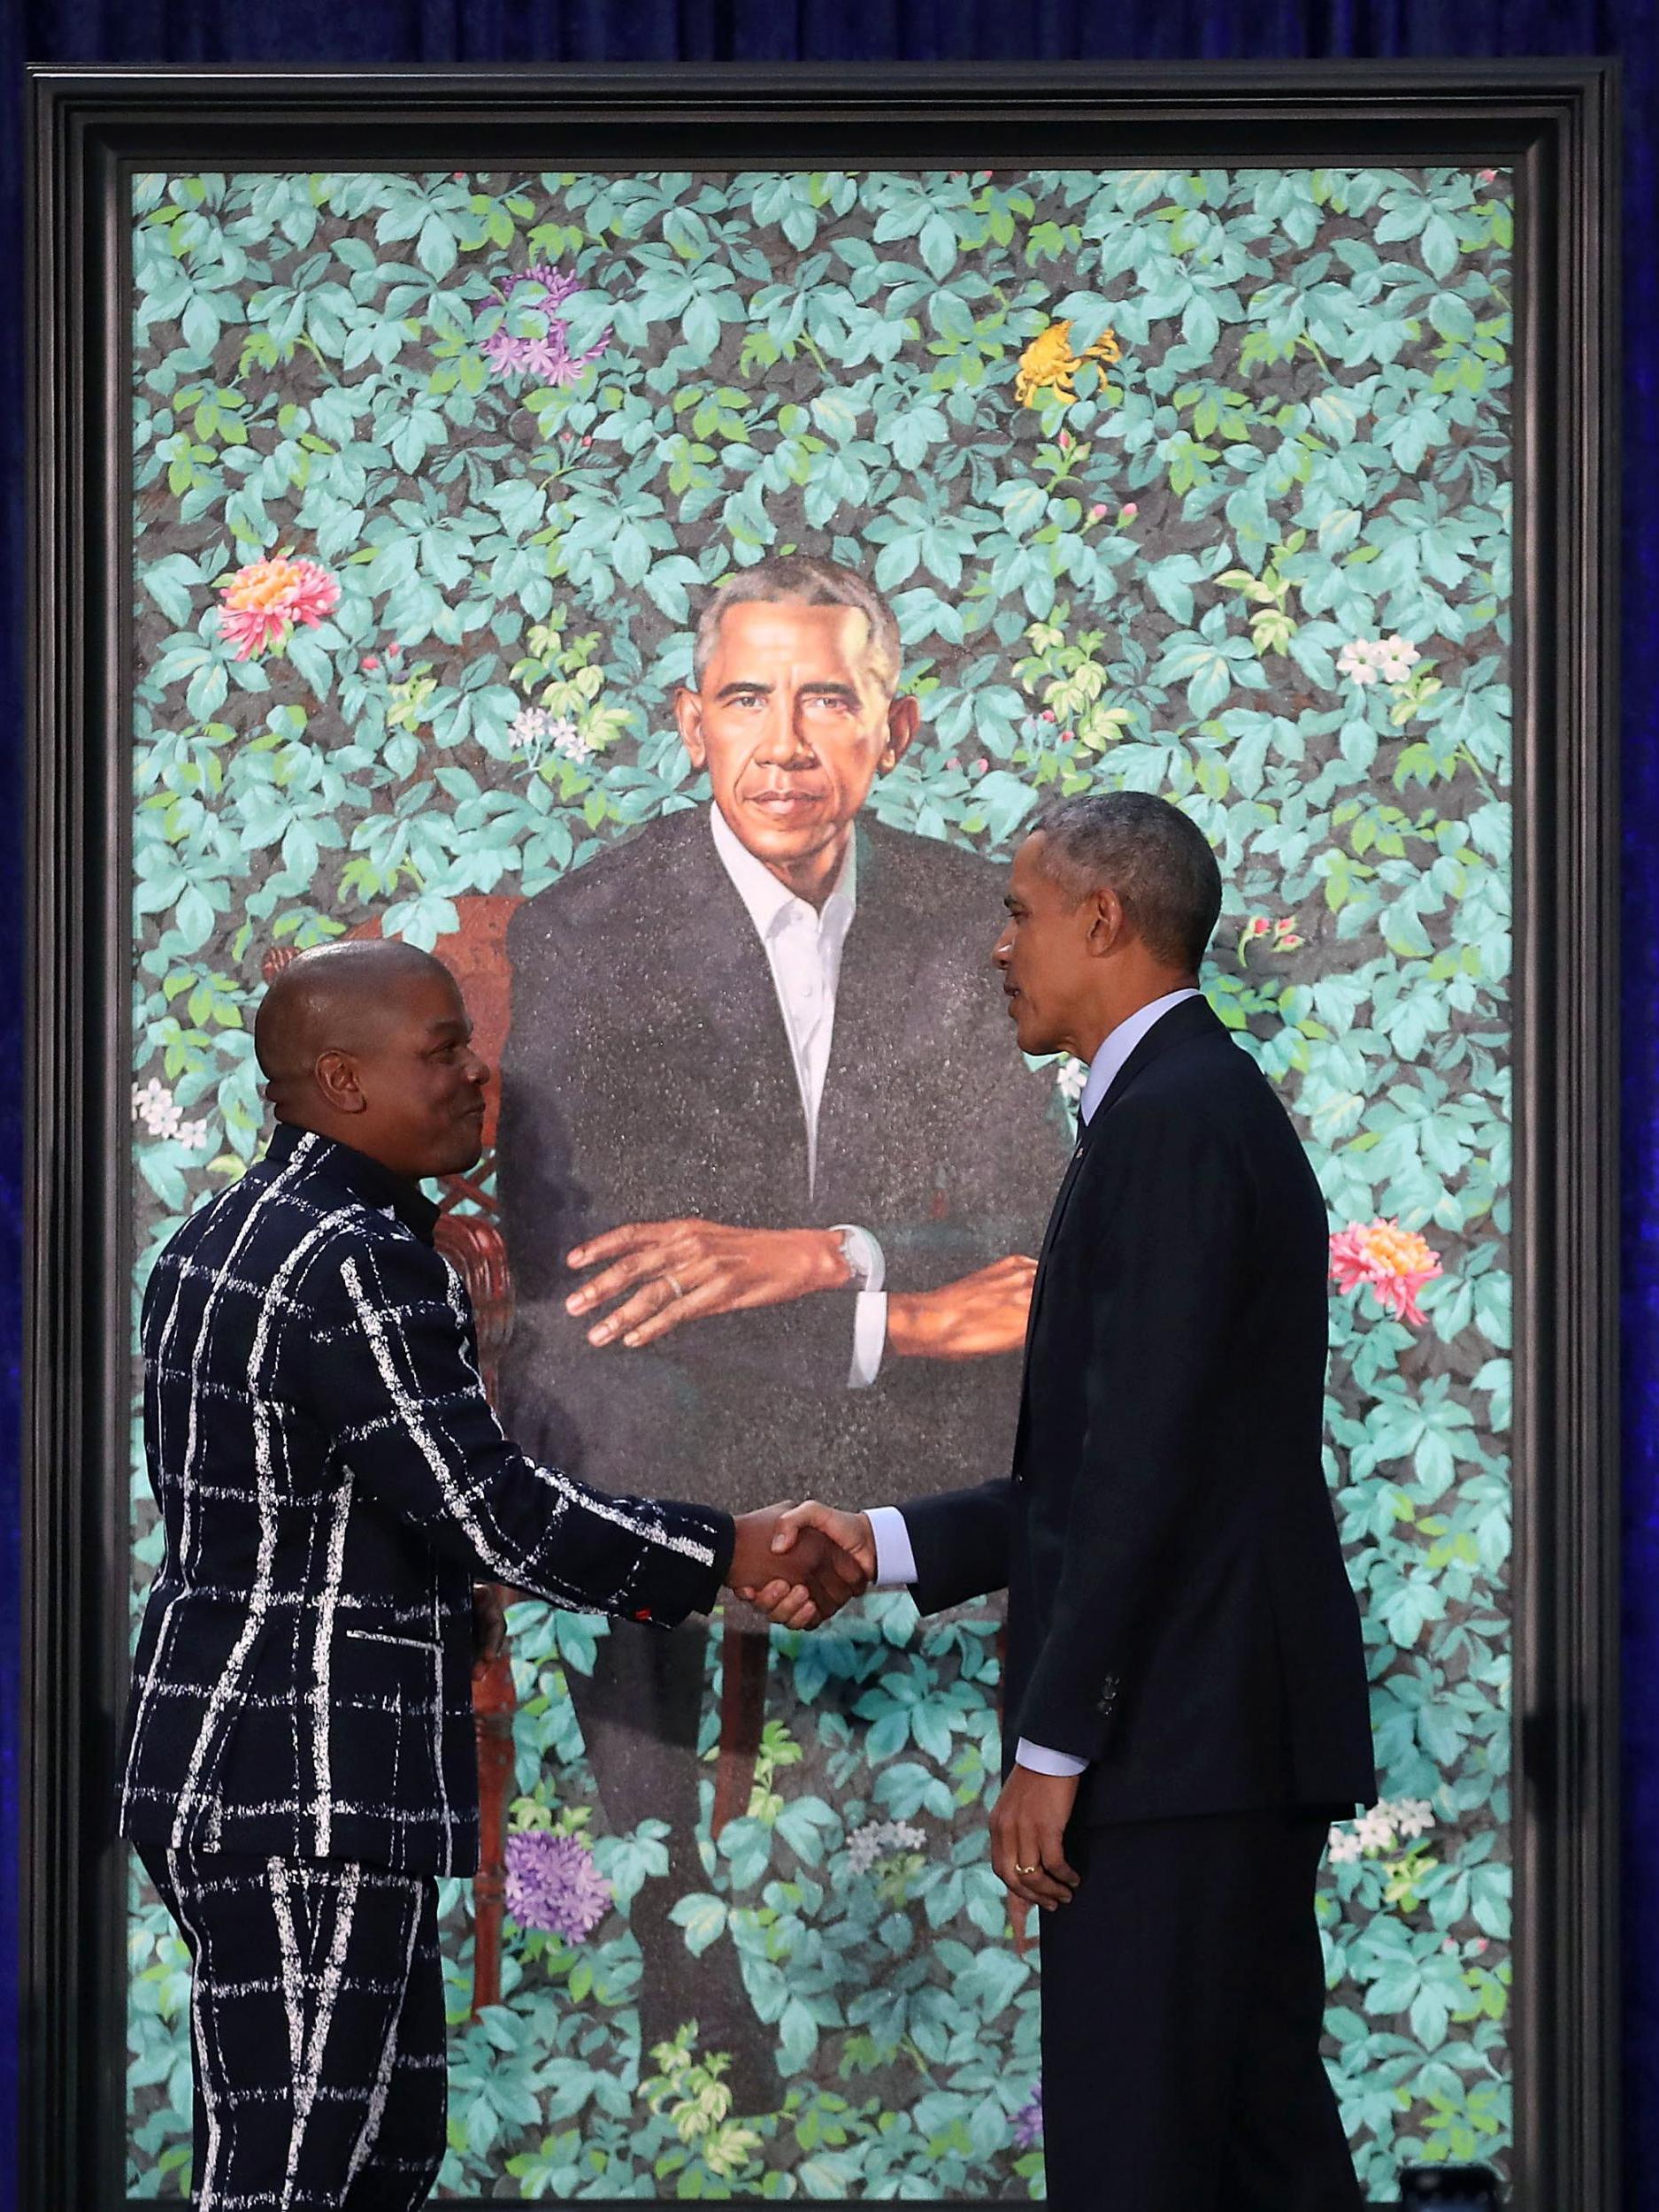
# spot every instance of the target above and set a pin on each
(768, 901)
(365, 1178)
(1108, 1064)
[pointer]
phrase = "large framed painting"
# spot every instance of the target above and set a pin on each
(413, 453)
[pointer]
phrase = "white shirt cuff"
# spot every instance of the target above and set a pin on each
(870, 1338)
(896, 1561)
(1035, 1756)
(867, 1260)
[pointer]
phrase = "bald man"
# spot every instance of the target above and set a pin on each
(300, 1764)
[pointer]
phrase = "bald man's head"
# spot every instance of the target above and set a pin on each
(368, 1041)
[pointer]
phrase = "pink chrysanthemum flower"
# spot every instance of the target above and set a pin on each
(264, 600)
(553, 1883)
(1395, 1262)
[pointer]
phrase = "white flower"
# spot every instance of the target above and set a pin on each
(1362, 659)
(567, 739)
(1069, 1076)
(155, 1106)
(1342, 1846)
(1413, 1817)
(1375, 1829)
(529, 729)
(879, 1839)
(192, 1135)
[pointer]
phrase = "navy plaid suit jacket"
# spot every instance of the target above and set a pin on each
(332, 1481)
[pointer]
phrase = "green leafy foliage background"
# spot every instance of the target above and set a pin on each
(1302, 443)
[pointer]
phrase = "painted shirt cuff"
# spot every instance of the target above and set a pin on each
(870, 1338)
(1035, 1756)
(896, 1561)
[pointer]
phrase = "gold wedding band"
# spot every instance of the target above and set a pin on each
(1028, 1869)
(673, 1284)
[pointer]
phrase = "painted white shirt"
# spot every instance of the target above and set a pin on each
(802, 944)
(896, 1559)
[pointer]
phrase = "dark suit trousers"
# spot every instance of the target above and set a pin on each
(1183, 1993)
(316, 2029)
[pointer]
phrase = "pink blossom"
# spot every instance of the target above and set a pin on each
(1095, 513)
(548, 356)
(1489, 176)
(980, 765)
(265, 600)
(371, 661)
(1064, 440)
(1129, 513)
(1395, 1262)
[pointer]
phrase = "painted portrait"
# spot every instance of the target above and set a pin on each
(668, 595)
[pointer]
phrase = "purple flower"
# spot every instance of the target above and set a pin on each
(558, 284)
(547, 355)
(552, 1882)
(1028, 2122)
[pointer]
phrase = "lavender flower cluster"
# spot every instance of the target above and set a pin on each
(548, 356)
(553, 1883)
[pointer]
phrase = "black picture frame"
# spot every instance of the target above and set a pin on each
(1554, 123)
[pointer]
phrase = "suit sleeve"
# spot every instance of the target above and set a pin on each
(395, 1382)
(960, 1540)
(1170, 1228)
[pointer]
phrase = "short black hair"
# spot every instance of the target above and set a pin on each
(796, 577)
(1154, 857)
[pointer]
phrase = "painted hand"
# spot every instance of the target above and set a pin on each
(974, 1317)
(1028, 1838)
(855, 1544)
(821, 1573)
(665, 1274)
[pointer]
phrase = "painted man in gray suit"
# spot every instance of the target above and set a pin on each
(771, 1178)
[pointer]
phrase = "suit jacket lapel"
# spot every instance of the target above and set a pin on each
(720, 957)
(1192, 1018)
(1056, 1215)
(873, 1014)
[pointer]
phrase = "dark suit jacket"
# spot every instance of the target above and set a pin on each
(331, 1480)
(1179, 1611)
(648, 1076)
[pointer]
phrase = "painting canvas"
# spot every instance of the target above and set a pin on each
(1194, 481)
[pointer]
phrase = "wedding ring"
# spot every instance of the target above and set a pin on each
(1028, 1869)
(673, 1284)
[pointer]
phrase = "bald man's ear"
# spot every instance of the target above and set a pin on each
(336, 1076)
(688, 715)
(904, 719)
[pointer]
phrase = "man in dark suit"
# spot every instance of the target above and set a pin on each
(300, 1764)
(1186, 1703)
(770, 1192)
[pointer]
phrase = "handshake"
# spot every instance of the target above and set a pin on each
(800, 1564)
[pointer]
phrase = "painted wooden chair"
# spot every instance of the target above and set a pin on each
(470, 1236)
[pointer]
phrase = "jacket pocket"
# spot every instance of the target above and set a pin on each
(398, 1643)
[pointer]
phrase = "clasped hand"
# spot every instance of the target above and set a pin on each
(801, 1563)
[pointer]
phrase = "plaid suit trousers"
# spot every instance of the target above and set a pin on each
(317, 2029)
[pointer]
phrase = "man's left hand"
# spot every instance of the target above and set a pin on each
(667, 1272)
(1028, 1838)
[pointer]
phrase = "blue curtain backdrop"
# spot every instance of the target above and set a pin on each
(435, 31)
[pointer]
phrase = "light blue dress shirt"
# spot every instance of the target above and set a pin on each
(895, 1560)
